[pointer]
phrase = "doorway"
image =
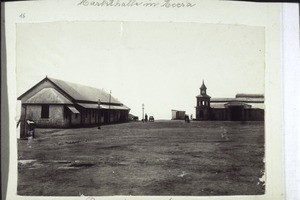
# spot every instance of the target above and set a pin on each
(236, 113)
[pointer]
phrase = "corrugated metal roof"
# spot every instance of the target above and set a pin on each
(237, 103)
(89, 105)
(73, 109)
(257, 105)
(115, 107)
(257, 100)
(242, 95)
(222, 99)
(217, 105)
(84, 93)
(246, 100)
(177, 110)
(48, 96)
(95, 106)
(222, 105)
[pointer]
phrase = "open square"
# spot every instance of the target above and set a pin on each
(165, 157)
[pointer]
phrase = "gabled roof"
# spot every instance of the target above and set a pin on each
(49, 96)
(84, 93)
(79, 92)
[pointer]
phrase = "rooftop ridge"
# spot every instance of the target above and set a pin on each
(81, 92)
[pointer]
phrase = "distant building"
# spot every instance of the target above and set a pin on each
(55, 103)
(244, 107)
(177, 114)
(203, 104)
(132, 117)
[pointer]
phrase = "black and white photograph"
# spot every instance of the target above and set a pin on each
(144, 101)
(129, 108)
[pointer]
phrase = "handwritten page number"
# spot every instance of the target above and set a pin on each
(22, 15)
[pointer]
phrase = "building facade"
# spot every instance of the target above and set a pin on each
(203, 104)
(244, 107)
(54, 103)
(177, 114)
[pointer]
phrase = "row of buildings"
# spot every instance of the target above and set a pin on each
(244, 107)
(60, 104)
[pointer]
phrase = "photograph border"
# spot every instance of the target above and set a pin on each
(273, 91)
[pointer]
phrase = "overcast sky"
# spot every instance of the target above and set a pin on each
(159, 64)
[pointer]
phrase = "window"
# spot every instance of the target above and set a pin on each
(76, 115)
(45, 111)
(66, 111)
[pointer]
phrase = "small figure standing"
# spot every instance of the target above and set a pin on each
(191, 116)
(186, 119)
(30, 132)
(30, 125)
(146, 117)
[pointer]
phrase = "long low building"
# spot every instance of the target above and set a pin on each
(244, 107)
(55, 103)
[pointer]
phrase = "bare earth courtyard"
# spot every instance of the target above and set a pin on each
(160, 158)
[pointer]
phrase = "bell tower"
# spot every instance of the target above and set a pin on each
(203, 104)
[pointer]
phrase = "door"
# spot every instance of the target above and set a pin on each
(236, 113)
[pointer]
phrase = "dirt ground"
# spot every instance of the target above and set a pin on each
(160, 158)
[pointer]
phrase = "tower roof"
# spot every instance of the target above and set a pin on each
(203, 87)
(203, 95)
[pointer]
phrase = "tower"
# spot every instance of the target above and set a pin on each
(203, 104)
